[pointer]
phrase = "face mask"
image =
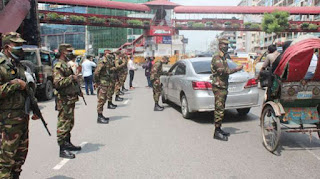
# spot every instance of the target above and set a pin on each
(16, 52)
(224, 49)
(69, 55)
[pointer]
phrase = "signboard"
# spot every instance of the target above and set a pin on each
(166, 40)
(159, 39)
(160, 31)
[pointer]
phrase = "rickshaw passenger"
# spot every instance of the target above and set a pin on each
(270, 58)
(272, 91)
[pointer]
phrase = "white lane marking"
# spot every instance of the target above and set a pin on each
(126, 102)
(310, 152)
(64, 161)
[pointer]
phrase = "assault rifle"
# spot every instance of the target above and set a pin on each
(31, 104)
(79, 91)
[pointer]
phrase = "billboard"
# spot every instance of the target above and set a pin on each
(166, 40)
(160, 31)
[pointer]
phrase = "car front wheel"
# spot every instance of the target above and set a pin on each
(185, 108)
(48, 90)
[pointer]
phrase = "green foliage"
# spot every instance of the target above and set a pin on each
(247, 24)
(235, 25)
(304, 25)
(41, 16)
(198, 25)
(134, 22)
(96, 20)
(55, 17)
(114, 21)
(313, 27)
(275, 22)
(146, 22)
(254, 26)
(209, 23)
(227, 23)
(190, 23)
(74, 18)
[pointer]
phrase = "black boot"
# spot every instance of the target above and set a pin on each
(15, 175)
(121, 93)
(102, 119)
(124, 89)
(118, 98)
(111, 106)
(157, 107)
(70, 146)
(218, 134)
(65, 153)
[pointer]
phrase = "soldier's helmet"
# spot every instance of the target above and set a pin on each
(15, 37)
(65, 47)
(223, 40)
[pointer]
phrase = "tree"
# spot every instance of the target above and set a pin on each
(275, 22)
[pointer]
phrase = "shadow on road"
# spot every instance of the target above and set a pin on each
(297, 142)
(60, 177)
(208, 117)
(234, 131)
(90, 148)
(115, 118)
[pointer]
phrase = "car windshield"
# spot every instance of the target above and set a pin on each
(30, 56)
(204, 67)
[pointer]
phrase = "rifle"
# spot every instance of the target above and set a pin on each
(31, 104)
(80, 92)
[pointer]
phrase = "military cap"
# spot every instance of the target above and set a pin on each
(63, 47)
(12, 37)
(107, 50)
(223, 40)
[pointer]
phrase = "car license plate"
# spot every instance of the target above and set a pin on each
(304, 95)
(232, 89)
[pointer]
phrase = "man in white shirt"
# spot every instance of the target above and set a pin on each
(131, 68)
(87, 68)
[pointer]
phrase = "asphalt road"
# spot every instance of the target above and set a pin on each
(141, 143)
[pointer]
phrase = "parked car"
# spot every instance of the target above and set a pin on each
(189, 86)
(40, 62)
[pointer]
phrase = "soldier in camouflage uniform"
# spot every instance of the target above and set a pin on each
(220, 75)
(66, 84)
(111, 67)
(119, 73)
(156, 72)
(125, 72)
(14, 131)
(103, 80)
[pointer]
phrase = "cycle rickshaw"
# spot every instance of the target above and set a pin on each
(293, 104)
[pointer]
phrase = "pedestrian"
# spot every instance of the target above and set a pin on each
(156, 72)
(14, 131)
(72, 64)
(103, 80)
(220, 75)
(147, 67)
(87, 67)
(66, 84)
(132, 68)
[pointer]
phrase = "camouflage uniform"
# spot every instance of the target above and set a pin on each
(103, 79)
(67, 97)
(120, 64)
(124, 74)
(156, 72)
(220, 75)
(112, 72)
(14, 137)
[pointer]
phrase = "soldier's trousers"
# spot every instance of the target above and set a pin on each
(117, 86)
(220, 97)
(14, 142)
(110, 91)
(65, 121)
(156, 86)
(102, 98)
(123, 78)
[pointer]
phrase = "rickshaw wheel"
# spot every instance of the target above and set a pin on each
(270, 128)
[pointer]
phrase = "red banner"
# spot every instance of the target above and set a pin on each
(160, 31)
(159, 39)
